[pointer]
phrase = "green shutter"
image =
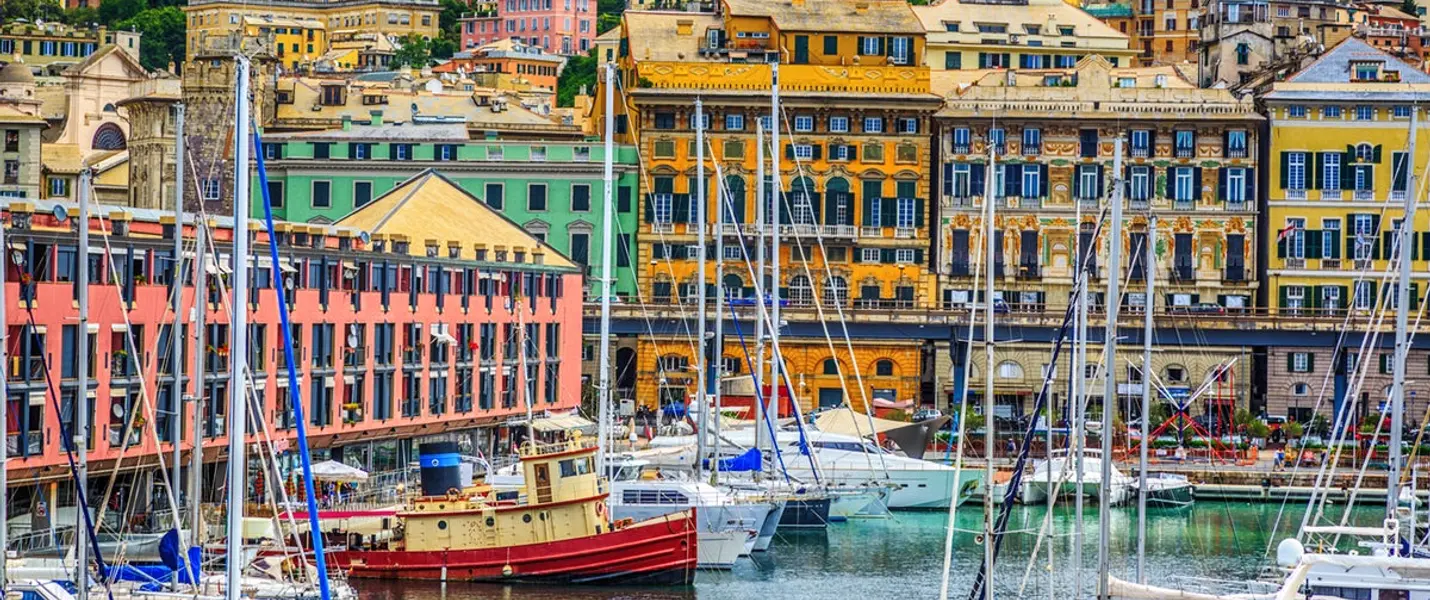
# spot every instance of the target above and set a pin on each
(1317, 165)
(1285, 169)
(1282, 298)
(1311, 361)
(1313, 243)
(1291, 362)
(1375, 154)
(919, 213)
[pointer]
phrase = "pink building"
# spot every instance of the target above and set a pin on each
(564, 27)
(396, 341)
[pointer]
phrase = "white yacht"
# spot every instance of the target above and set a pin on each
(847, 463)
(1063, 467)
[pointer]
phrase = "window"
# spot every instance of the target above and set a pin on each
(1010, 370)
(211, 186)
(803, 123)
(1331, 112)
(1032, 182)
(1087, 182)
(1186, 144)
(1296, 111)
(908, 125)
(536, 197)
(665, 120)
(1184, 187)
(1364, 113)
(1236, 184)
(884, 368)
(904, 256)
(1367, 71)
(1362, 297)
(1300, 362)
(998, 138)
(1364, 230)
(838, 124)
(322, 194)
(362, 193)
(953, 61)
(870, 46)
(496, 195)
(1296, 170)
(1400, 111)
(1296, 243)
(59, 187)
(1331, 241)
(873, 125)
(581, 197)
(1236, 143)
(1330, 172)
(803, 151)
(734, 122)
(1365, 153)
(962, 137)
(1140, 184)
(1032, 141)
(869, 255)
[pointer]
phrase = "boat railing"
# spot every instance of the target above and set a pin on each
(535, 449)
(60, 539)
(1094, 452)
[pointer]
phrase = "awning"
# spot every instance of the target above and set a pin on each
(845, 421)
(561, 423)
(284, 266)
(331, 470)
(443, 337)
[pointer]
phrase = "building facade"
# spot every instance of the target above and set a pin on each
(1167, 32)
(1241, 38)
(304, 28)
(565, 27)
(394, 342)
(1190, 162)
(50, 48)
(1023, 34)
(516, 59)
(23, 127)
(554, 190)
(857, 110)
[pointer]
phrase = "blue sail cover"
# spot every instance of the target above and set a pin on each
(751, 460)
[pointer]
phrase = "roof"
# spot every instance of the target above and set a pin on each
(9, 113)
(1329, 78)
(284, 22)
(653, 35)
(1108, 11)
(67, 159)
(307, 94)
(881, 16)
(1047, 15)
(16, 72)
(511, 48)
(430, 206)
(99, 55)
(412, 132)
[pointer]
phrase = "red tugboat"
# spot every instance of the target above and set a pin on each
(558, 530)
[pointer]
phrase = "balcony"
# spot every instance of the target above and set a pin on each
(1236, 153)
(841, 231)
(962, 149)
(1330, 194)
(1236, 205)
(662, 227)
(1185, 152)
(871, 231)
(1363, 196)
(800, 230)
(1029, 271)
(1141, 152)
(959, 201)
(1362, 263)
(1139, 204)
(1396, 196)
(1089, 202)
(1330, 264)
(1028, 203)
(1234, 275)
(1184, 204)
(905, 233)
(1295, 263)
(1183, 273)
(1296, 194)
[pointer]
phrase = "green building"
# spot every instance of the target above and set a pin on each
(553, 189)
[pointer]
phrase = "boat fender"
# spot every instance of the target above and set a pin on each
(507, 571)
(601, 510)
(1289, 552)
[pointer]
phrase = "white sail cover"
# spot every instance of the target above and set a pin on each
(845, 421)
(331, 470)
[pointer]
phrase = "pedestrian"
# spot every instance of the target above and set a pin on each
(1280, 459)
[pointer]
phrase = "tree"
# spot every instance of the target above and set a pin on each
(30, 10)
(450, 19)
(415, 52)
(442, 48)
(580, 72)
(81, 16)
(163, 30)
(1294, 430)
(1409, 7)
(114, 12)
(608, 14)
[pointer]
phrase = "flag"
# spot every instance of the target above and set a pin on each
(1285, 233)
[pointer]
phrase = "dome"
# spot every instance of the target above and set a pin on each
(16, 72)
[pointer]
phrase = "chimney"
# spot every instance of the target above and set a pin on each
(454, 250)
(432, 248)
(376, 118)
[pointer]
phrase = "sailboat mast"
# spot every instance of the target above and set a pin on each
(1402, 312)
(758, 374)
(717, 353)
(4, 422)
(989, 428)
(608, 276)
(196, 446)
(1109, 396)
(702, 345)
(1078, 399)
(238, 346)
(81, 402)
(1149, 271)
(776, 204)
(176, 336)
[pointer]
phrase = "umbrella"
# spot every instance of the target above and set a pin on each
(331, 470)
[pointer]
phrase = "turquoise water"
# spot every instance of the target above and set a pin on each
(902, 557)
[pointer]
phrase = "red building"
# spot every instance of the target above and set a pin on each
(565, 27)
(395, 341)
(1395, 32)
(508, 57)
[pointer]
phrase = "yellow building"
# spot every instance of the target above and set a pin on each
(294, 29)
(854, 154)
(1339, 178)
(50, 48)
(1022, 34)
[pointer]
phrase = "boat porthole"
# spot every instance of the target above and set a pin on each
(441, 525)
(491, 521)
(526, 518)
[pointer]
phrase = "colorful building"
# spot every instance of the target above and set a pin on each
(1190, 160)
(564, 27)
(853, 161)
(1397, 33)
(50, 48)
(554, 190)
(397, 340)
(1167, 32)
(1243, 38)
(513, 58)
(22, 126)
(1022, 34)
(297, 31)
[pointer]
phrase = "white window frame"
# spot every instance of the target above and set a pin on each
(1087, 180)
(1300, 362)
(735, 122)
(1361, 228)
(1331, 112)
(839, 124)
(1183, 185)
(1330, 230)
(1295, 297)
(803, 123)
(869, 255)
(873, 125)
(1331, 172)
(908, 125)
(904, 256)
(1032, 138)
(962, 180)
(803, 152)
(1361, 297)
(1032, 182)
(664, 210)
(1295, 111)
(1331, 297)
(1296, 246)
(1141, 184)
(1296, 171)
(1236, 184)
(212, 188)
(1363, 112)
(904, 213)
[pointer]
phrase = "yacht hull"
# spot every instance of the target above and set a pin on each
(805, 513)
(660, 551)
(768, 528)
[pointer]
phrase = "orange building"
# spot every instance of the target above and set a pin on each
(509, 57)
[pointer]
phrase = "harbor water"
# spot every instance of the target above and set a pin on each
(902, 557)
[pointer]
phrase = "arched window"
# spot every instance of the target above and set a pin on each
(109, 137)
(803, 203)
(1300, 389)
(836, 291)
(732, 285)
(1010, 370)
(1175, 374)
(1365, 153)
(734, 208)
(831, 367)
(800, 292)
(838, 202)
(109, 108)
(884, 368)
(672, 362)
